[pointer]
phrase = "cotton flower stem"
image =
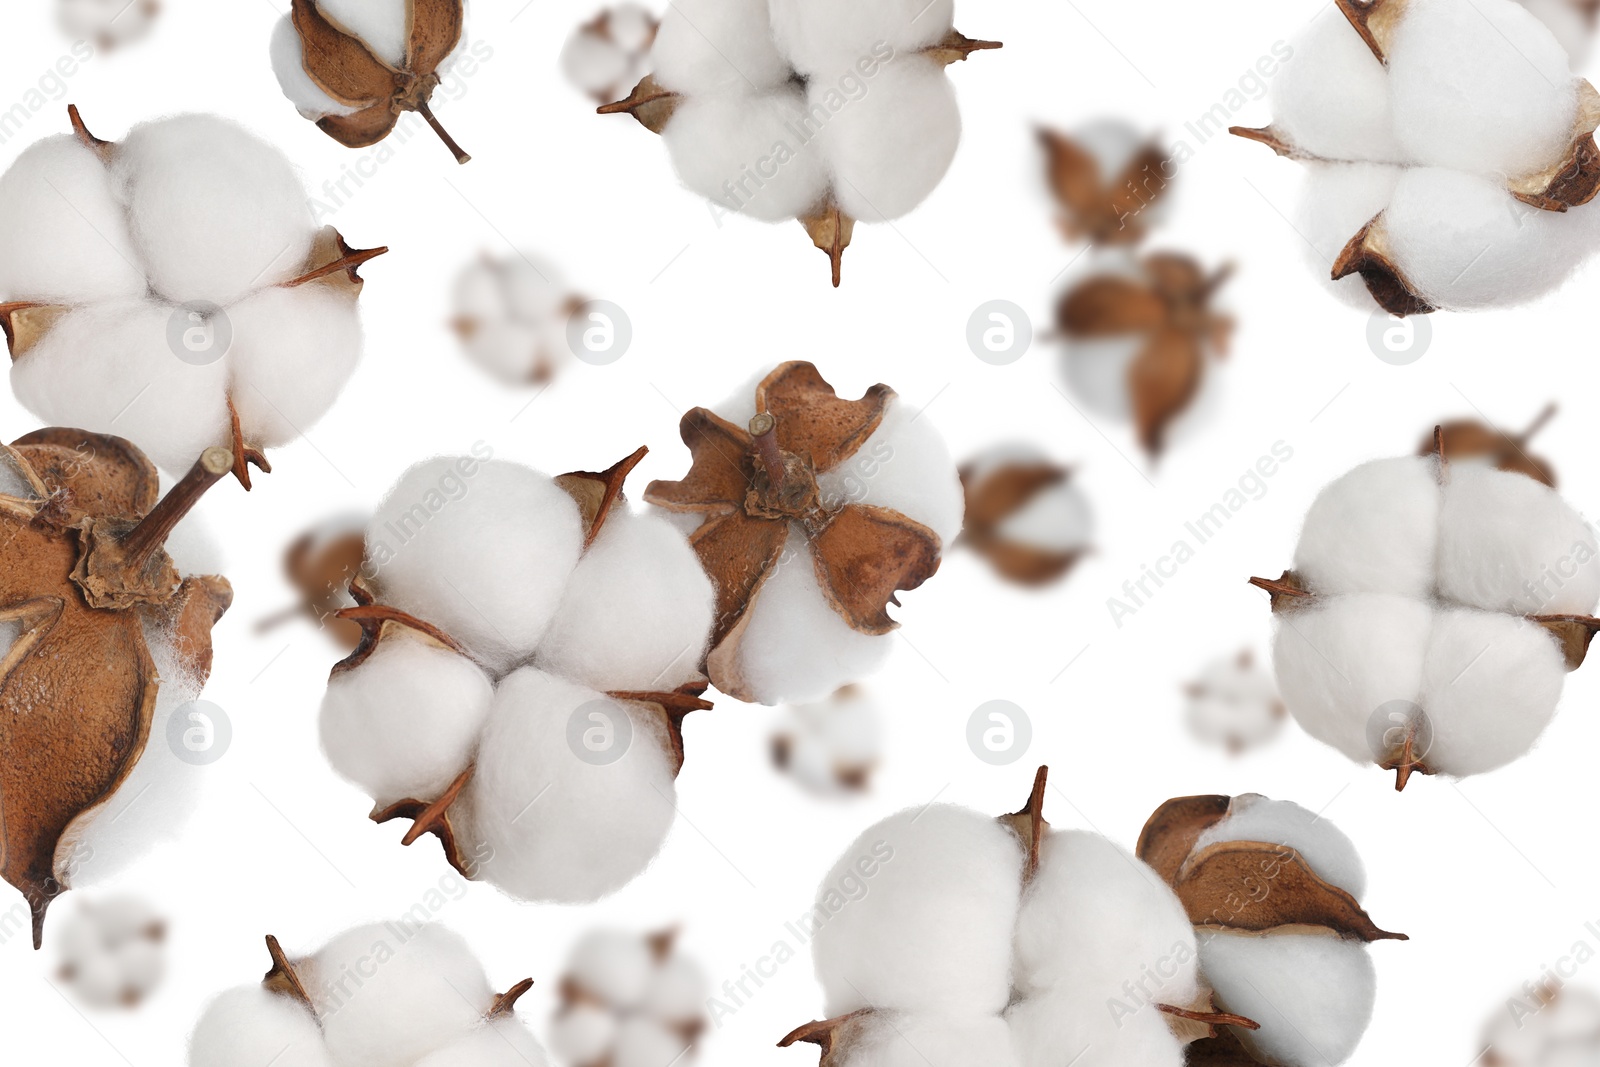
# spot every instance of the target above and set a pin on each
(1540, 422)
(506, 1003)
(1213, 1018)
(444, 135)
(139, 543)
(764, 434)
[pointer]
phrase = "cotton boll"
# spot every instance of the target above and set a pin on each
(795, 647)
(1095, 917)
(939, 868)
(288, 63)
(419, 988)
(1564, 1033)
(216, 210)
(677, 991)
(560, 828)
(293, 351)
(890, 144)
(1329, 54)
(583, 1033)
(1234, 703)
(108, 368)
(636, 612)
(1337, 201)
(1507, 112)
(614, 965)
(593, 63)
(1312, 994)
(502, 1042)
(753, 154)
(250, 1027)
(643, 1042)
(404, 722)
(1375, 530)
(1343, 658)
(1508, 543)
(1490, 686)
(106, 22)
(1055, 1029)
(834, 744)
(382, 24)
(827, 38)
(481, 549)
(1465, 242)
(717, 46)
(956, 1039)
(110, 951)
(904, 465)
(534, 289)
(1323, 846)
(63, 236)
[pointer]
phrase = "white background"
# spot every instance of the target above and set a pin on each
(1492, 878)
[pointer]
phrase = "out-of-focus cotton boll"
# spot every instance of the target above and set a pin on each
(614, 965)
(1563, 1031)
(605, 56)
(833, 745)
(111, 951)
(250, 1027)
(107, 22)
(629, 1001)
(511, 316)
(750, 154)
(1234, 703)
(1572, 23)
(583, 1034)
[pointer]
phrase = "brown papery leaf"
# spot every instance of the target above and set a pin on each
(832, 1036)
(1368, 255)
(1000, 494)
(1256, 886)
(1375, 21)
(1170, 834)
(83, 570)
(1162, 380)
(1029, 824)
(1470, 439)
(648, 103)
(598, 493)
(814, 422)
(867, 553)
(1107, 306)
(1102, 209)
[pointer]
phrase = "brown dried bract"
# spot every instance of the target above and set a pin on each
(320, 564)
(1368, 255)
(1374, 20)
(752, 486)
(994, 498)
(83, 571)
(1471, 439)
(1169, 308)
(1103, 209)
(1029, 824)
(348, 70)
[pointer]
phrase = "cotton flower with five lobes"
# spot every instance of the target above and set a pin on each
(394, 994)
(529, 650)
(809, 512)
(629, 1001)
(1024, 515)
(610, 52)
(173, 288)
(1432, 613)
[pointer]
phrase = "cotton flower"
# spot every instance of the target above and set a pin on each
(945, 937)
(1432, 613)
(1024, 515)
(1234, 703)
(809, 512)
(610, 52)
(1450, 153)
(826, 113)
(112, 951)
(511, 316)
(530, 648)
(107, 23)
(831, 746)
(1545, 1028)
(395, 994)
(629, 1001)
(172, 288)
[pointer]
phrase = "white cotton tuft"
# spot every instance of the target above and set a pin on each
(288, 63)
(1312, 993)
(749, 153)
(1057, 1029)
(1095, 917)
(1323, 846)
(1343, 659)
(904, 465)
(551, 824)
(707, 47)
(1491, 683)
(614, 965)
(1329, 54)
(391, 993)
(829, 38)
(1055, 519)
(890, 144)
(583, 1033)
(293, 351)
(63, 236)
(1374, 530)
(1337, 200)
(954, 1039)
(108, 368)
(796, 648)
(636, 611)
(504, 1042)
(250, 1027)
(1506, 112)
(939, 868)
(215, 210)
(480, 548)
(643, 1042)
(1509, 543)
(382, 24)
(405, 721)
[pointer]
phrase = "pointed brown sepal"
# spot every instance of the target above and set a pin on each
(1573, 632)
(649, 103)
(830, 229)
(1367, 254)
(827, 1034)
(334, 263)
(596, 493)
(1573, 180)
(1000, 494)
(1374, 20)
(864, 555)
(506, 1003)
(1257, 886)
(674, 706)
(956, 46)
(1030, 825)
(101, 148)
(1405, 762)
(26, 322)
(244, 455)
(1170, 834)
(432, 817)
(1210, 1019)
(1287, 591)
(282, 978)
(376, 620)
(1266, 135)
